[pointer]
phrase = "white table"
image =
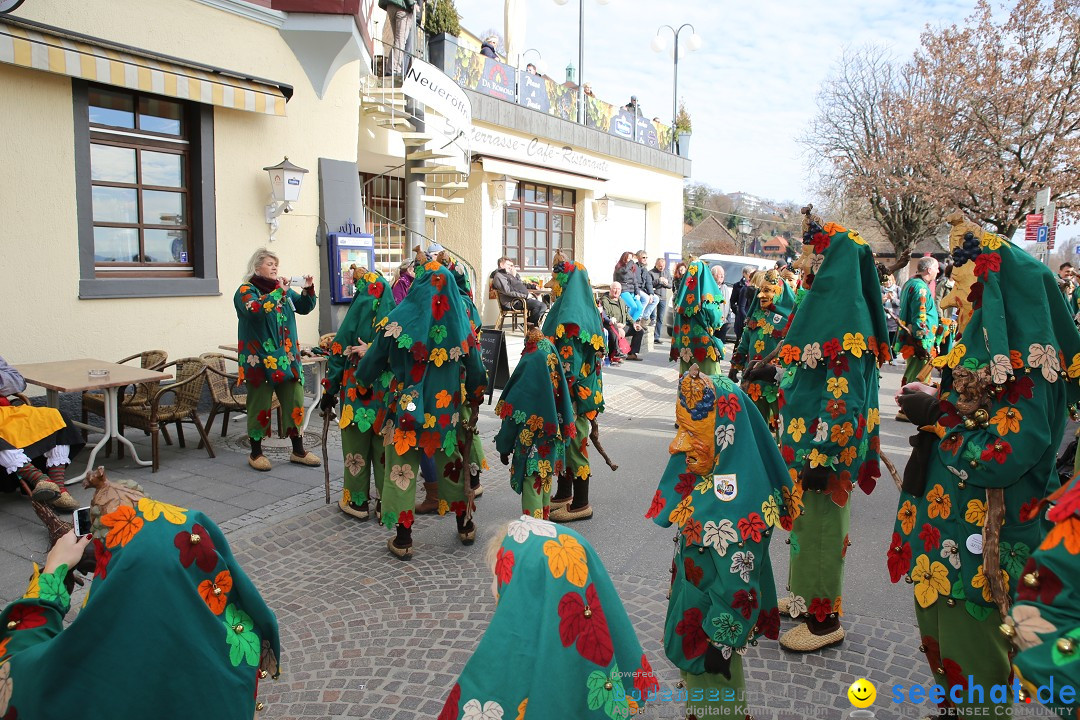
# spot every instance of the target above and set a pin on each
(318, 364)
(73, 376)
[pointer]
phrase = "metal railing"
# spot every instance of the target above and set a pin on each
(394, 242)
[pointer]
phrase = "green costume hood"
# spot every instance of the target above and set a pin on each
(560, 644)
(537, 414)
(429, 349)
(1003, 332)
(723, 590)
(171, 620)
(573, 325)
(843, 302)
(699, 312)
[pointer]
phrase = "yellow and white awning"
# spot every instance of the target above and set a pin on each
(56, 53)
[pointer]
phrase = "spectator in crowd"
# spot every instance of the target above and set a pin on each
(615, 308)
(401, 280)
(626, 275)
(511, 290)
(633, 106)
(588, 90)
(678, 275)
(401, 15)
(531, 69)
(740, 304)
(646, 290)
(615, 354)
(890, 300)
(661, 282)
(489, 47)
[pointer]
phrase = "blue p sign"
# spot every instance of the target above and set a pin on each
(1044, 234)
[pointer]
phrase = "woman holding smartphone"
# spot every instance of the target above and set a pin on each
(268, 351)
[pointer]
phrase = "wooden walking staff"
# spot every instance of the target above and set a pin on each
(327, 415)
(594, 435)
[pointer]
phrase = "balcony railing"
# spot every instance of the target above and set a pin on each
(488, 76)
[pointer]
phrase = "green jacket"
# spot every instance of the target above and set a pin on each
(398, 4)
(371, 303)
(918, 317)
(616, 310)
(268, 347)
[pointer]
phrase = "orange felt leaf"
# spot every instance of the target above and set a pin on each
(403, 440)
(123, 524)
(1067, 531)
(442, 399)
(216, 601)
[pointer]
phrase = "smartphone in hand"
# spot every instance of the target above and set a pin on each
(80, 520)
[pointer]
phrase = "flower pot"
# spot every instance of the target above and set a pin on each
(684, 143)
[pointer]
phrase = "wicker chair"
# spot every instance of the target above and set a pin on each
(94, 401)
(227, 397)
(514, 312)
(186, 391)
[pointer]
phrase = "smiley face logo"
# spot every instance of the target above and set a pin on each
(862, 693)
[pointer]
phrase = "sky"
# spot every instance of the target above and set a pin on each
(751, 87)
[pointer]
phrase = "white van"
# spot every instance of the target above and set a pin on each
(733, 266)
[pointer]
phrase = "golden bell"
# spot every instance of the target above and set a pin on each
(263, 674)
(195, 539)
(1066, 646)
(259, 706)
(238, 628)
(969, 423)
(940, 670)
(608, 685)
(981, 416)
(950, 602)
(1031, 579)
(12, 624)
(1007, 630)
(588, 611)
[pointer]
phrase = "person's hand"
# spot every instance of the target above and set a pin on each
(327, 401)
(309, 281)
(357, 350)
(283, 282)
(733, 374)
(504, 458)
(913, 387)
(622, 332)
(920, 408)
(637, 326)
(68, 550)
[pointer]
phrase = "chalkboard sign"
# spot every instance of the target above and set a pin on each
(493, 351)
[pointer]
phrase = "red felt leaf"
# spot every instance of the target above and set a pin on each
(439, 305)
(899, 558)
(590, 634)
(102, 556)
(686, 483)
(656, 505)
(930, 536)
(692, 530)
(450, 708)
(645, 679)
(750, 527)
(504, 565)
(693, 573)
(200, 552)
(694, 639)
(429, 442)
(745, 602)
(26, 616)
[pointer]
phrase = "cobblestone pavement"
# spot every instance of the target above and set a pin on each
(365, 635)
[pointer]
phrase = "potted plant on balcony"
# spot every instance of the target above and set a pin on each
(442, 24)
(683, 130)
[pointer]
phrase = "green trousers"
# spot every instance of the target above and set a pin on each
(709, 367)
(577, 452)
(259, 399)
(818, 546)
(914, 366)
(709, 695)
(362, 451)
(536, 496)
(957, 645)
(399, 485)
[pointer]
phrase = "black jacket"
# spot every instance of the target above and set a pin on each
(628, 277)
(645, 278)
(740, 299)
(508, 287)
(488, 50)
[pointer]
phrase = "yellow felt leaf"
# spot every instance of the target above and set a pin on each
(152, 509)
(567, 556)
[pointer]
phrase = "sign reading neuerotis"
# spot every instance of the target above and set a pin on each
(538, 152)
(427, 84)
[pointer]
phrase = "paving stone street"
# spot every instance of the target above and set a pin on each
(365, 635)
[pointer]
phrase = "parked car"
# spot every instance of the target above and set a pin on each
(733, 266)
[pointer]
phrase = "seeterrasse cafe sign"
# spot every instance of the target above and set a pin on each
(535, 151)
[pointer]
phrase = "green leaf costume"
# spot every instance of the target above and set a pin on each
(763, 331)
(699, 314)
(573, 325)
(537, 422)
(1045, 620)
(723, 590)
(829, 405)
(1022, 348)
(268, 347)
(429, 380)
(919, 318)
(175, 627)
(560, 644)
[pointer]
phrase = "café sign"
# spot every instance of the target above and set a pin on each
(538, 152)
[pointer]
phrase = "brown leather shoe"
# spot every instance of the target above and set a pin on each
(431, 500)
(259, 463)
(307, 458)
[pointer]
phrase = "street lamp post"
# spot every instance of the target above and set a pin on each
(659, 43)
(745, 228)
(581, 56)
